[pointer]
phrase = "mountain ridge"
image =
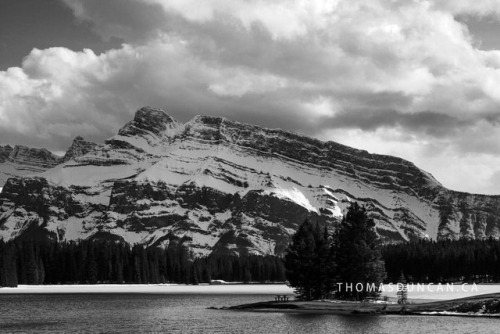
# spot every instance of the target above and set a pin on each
(231, 187)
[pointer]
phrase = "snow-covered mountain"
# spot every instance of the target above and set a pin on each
(229, 187)
(22, 160)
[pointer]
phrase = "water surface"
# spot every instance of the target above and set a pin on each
(188, 313)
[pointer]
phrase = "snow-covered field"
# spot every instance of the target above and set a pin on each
(257, 289)
(435, 292)
(441, 292)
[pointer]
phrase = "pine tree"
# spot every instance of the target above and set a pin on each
(8, 268)
(402, 292)
(32, 270)
(358, 255)
(308, 263)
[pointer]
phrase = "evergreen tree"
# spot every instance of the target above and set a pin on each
(32, 269)
(8, 268)
(308, 262)
(358, 255)
(402, 292)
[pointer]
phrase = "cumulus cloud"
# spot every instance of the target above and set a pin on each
(485, 7)
(389, 76)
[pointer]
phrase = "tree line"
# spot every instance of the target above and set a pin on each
(444, 261)
(94, 261)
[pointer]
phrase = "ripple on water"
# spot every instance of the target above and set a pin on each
(149, 313)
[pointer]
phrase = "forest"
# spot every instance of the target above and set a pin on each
(94, 261)
(445, 261)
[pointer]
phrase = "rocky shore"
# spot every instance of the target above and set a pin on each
(482, 305)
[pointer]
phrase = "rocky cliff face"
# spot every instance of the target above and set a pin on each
(78, 148)
(5, 152)
(230, 187)
(22, 160)
(26, 161)
(35, 159)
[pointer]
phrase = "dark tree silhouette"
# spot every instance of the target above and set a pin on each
(402, 292)
(308, 262)
(360, 266)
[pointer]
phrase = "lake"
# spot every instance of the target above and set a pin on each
(187, 313)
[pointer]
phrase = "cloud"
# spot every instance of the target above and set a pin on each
(426, 122)
(127, 19)
(332, 69)
(483, 8)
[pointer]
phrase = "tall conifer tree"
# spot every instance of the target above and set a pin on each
(308, 264)
(358, 255)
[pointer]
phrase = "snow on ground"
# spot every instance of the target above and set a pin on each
(247, 289)
(130, 237)
(18, 220)
(470, 314)
(262, 245)
(149, 143)
(13, 169)
(293, 195)
(215, 166)
(100, 197)
(442, 291)
(90, 175)
(430, 293)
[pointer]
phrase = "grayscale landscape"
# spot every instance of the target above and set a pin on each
(249, 167)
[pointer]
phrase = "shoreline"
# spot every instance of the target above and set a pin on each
(487, 305)
(229, 288)
(240, 287)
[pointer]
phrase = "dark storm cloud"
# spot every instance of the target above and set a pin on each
(126, 19)
(427, 122)
(318, 68)
(28, 24)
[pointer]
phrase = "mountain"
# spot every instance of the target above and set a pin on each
(78, 148)
(227, 187)
(22, 160)
(27, 161)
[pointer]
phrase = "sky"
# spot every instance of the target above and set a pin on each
(410, 78)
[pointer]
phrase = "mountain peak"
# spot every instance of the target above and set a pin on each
(37, 157)
(79, 147)
(78, 139)
(148, 112)
(148, 119)
(150, 128)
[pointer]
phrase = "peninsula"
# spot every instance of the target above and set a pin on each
(481, 305)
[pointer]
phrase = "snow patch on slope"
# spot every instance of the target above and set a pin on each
(11, 169)
(18, 220)
(90, 175)
(152, 145)
(292, 194)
